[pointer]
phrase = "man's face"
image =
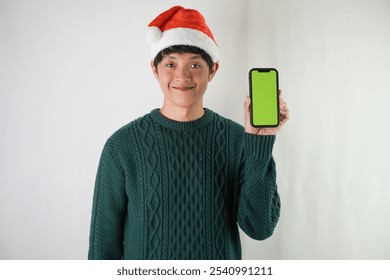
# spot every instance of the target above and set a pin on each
(183, 78)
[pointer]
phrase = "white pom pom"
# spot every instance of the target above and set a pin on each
(153, 34)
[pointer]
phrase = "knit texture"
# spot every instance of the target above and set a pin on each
(179, 190)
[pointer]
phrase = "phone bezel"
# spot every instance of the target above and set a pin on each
(277, 95)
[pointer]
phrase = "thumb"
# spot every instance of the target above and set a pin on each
(247, 104)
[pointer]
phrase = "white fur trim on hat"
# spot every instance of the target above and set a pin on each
(184, 36)
(153, 34)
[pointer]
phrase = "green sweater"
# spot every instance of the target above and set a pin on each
(177, 190)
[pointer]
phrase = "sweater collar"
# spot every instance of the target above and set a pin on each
(176, 125)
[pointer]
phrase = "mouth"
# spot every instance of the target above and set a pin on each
(183, 88)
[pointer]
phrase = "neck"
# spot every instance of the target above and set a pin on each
(182, 114)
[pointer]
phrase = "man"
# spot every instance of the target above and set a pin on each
(177, 182)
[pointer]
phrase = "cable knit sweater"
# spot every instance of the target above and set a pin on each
(177, 190)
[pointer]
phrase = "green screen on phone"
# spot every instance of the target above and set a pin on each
(264, 95)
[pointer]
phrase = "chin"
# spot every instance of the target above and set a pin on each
(187, 103)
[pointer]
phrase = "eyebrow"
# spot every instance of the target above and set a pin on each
(196, 56)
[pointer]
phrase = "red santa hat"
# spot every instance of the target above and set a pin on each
(180, 26)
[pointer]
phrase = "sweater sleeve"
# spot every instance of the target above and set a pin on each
(108, 210)
(258, 201)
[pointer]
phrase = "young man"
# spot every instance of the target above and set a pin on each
(177, 182)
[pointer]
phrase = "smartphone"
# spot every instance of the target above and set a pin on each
(263, 88)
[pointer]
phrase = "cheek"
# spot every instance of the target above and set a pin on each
(204, 81)
(163, 80)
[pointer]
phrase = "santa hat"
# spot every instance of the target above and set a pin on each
(180, 26)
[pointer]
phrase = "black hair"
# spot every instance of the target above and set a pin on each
(183, 49)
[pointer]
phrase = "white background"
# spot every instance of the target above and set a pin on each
(72, 72)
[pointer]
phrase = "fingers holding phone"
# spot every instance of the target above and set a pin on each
(283, 109)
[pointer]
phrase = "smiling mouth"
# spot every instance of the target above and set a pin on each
(183, 88)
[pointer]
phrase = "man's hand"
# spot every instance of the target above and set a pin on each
(284, 116)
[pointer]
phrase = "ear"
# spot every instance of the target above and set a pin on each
(213, 71)
(154, 70)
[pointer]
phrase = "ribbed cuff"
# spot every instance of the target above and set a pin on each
(259, 146)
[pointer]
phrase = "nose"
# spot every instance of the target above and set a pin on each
(182, 74)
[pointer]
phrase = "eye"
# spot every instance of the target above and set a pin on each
(195, 65)
(169, 65)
